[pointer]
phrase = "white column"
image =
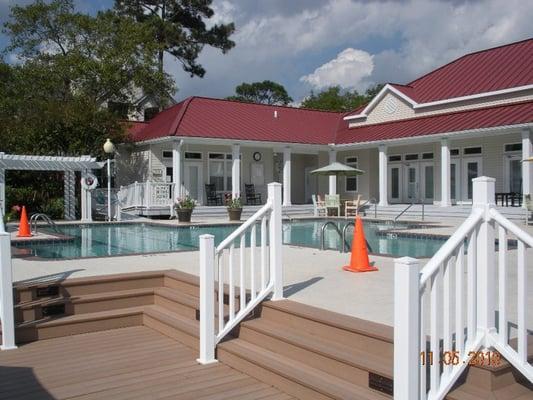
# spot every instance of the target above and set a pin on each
(2, 191)
(287, 176)
(207, 300)
(86, 207)
(6, 291)
(332, 179)
(445, 178)
(176, 168)
(483, 198)
(527, 173)
(406, 328)
(276, 244)
(236, 171)
(383, 172)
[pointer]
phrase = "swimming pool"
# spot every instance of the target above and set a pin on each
(101, 240)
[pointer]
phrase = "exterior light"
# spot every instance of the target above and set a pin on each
(109, 147)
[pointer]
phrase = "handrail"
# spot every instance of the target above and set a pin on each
(451, 244)
(515, 230)
(241, 229)
(403, 212)
(373, 201)
(45, 218)
(322, 233)
(345, 243)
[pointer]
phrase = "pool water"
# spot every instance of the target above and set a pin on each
(100, 240)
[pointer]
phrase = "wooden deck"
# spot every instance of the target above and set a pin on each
(128, 363)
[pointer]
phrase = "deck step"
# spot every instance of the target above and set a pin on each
(173, 325)
(293, 377)
(345, 362)
(48, 328)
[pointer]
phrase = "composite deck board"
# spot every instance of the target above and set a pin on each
(127, 363)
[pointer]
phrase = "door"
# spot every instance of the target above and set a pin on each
(427, 182)
(395, 186)
(412, 186)
(455, 187)
(471, 169)
(513, 174)
(193, 179)
(310, 184)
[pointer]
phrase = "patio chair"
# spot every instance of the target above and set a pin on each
(251, 196)
(334, 201)
(528, 203)
(212, 197)
(319, 206)
(351, 206)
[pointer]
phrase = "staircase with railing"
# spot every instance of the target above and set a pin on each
(257, 273)
(445, 313)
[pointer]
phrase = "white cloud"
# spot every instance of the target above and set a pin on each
(349, 70)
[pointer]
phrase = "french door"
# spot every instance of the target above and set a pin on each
(193, 180)
(427, 182)
(412, 186)
(513, 173)
(472, 168)
(455, 186)
(395, 183)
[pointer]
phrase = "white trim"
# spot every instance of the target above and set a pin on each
(415, 105)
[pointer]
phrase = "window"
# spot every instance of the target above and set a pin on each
(427, 156)
(471, 150)
(513, 147)
(119, 109)
(167, 153)
(411, 157)
(150, 113)
(351, 181)
(169, 174)
(220, 171)
(395, 158)
(193, 155)
(454, 152)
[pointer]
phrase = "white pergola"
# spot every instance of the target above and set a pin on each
(69, 165)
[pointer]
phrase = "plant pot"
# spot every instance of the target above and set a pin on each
(234, 214)
(184, 214)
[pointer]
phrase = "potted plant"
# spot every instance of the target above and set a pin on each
(184, 207)
(234, 206)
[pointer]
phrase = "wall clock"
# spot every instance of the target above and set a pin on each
(257, 156)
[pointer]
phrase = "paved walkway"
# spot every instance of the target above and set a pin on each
(121, 364)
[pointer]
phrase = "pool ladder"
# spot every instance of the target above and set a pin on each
(35, 217)
(345, 244)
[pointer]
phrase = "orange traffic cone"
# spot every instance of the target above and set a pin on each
(24, 227)
(359, 261)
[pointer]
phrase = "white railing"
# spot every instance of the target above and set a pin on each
(6, 290)
(258, 272)
(445, 312)
(146, 194)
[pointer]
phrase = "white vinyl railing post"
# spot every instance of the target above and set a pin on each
(276, 243)
(406, 328)
(207, 299)
(483, 198)
(6, 291)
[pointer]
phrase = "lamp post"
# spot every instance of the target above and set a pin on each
(109, 149)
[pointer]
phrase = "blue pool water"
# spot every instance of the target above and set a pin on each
(140, 238)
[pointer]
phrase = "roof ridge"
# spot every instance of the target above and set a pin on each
(181, 113)
(468, 55)
(260, 104)
(443, 114)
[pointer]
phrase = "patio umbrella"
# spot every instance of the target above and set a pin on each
(337, 169)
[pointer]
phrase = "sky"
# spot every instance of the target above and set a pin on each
(312, 44)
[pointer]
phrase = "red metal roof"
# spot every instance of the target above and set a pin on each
(484, 71)
(134, 127)
(225, 119)
(510, 114)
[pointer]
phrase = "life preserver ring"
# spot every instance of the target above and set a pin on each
(89, 182)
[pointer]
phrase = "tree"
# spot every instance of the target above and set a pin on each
(266, 92)
(179, 29)
(334, 99)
